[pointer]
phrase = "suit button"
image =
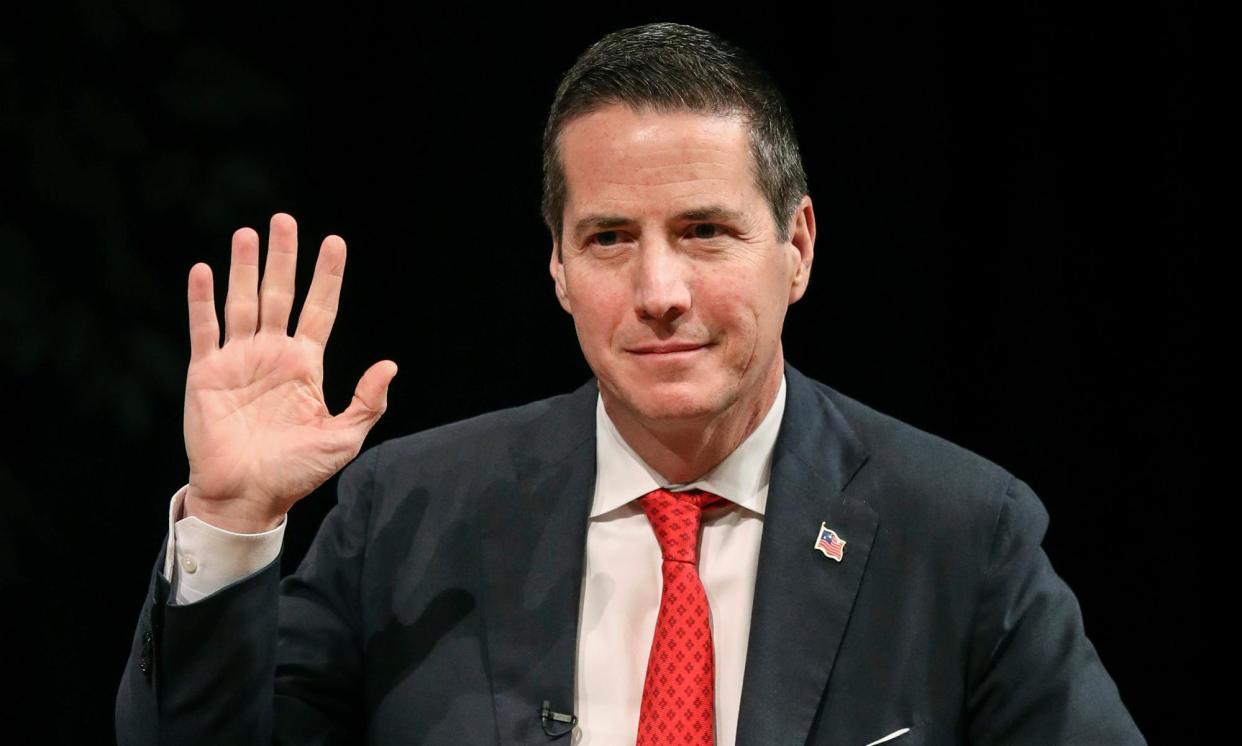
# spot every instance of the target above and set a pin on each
(146, 637)
(144, 664)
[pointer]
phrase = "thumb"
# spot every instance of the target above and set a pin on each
(370, 396)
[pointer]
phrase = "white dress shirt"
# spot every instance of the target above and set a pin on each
(621, 581)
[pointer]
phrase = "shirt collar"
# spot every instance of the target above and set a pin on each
(742, 478)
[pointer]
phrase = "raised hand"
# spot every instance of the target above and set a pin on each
(258, 434)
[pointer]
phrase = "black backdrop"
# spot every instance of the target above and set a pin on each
(1005, 258)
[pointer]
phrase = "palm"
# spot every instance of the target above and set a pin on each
(249, 414)
(258, 433)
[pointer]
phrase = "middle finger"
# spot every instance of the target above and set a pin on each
(279, 273)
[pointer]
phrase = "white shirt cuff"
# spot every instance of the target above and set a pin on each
(201, 559)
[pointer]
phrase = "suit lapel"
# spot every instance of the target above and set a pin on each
(803, 598)
(533, 543)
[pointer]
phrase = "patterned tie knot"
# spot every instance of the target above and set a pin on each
(675, 518)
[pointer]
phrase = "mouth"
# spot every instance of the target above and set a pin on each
(669, 351)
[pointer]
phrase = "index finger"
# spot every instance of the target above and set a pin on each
(204, 327)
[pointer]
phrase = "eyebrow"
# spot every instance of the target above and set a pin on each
(608, 222)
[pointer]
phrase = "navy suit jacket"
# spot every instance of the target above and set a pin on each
(439, 600)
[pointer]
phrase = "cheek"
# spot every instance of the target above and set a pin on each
(749, 312)
(598, 309)
(728, 309)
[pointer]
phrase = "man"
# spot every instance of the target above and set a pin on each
(700, 545)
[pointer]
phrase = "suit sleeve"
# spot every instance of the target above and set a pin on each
(1034, 677)
(260, 661)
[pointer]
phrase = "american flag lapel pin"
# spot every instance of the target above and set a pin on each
(830, 543)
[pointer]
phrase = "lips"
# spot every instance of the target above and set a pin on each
(666, 348)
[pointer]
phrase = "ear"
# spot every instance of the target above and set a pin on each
(557, 269)
(802, 247)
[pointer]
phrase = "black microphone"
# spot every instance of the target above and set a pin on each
(556, 724)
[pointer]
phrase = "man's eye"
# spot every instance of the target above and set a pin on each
(607, 238)
(705, 230)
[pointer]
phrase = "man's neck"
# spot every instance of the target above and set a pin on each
(685, 450)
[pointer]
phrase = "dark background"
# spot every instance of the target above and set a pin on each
(1005, 258)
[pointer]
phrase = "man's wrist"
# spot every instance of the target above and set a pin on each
(235, 517)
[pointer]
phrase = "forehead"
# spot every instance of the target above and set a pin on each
(631, 160)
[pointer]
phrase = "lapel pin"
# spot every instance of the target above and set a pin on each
(830, 543)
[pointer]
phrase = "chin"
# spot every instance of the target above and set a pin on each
(664, 402)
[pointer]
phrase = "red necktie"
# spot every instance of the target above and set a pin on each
(680, 689)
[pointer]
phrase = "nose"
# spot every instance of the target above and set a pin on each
(661, 288)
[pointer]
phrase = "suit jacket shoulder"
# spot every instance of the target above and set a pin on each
(480, 445)
(457, 468)
(949, 474)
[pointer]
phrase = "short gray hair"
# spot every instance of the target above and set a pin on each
(672, 67)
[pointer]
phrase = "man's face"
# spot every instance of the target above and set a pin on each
(670, 264)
